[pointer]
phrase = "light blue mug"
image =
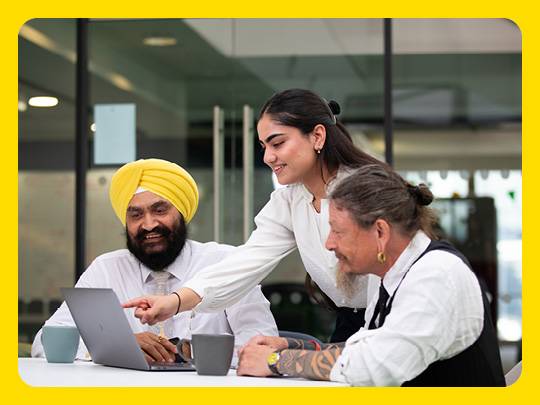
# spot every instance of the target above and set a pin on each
(60, 343)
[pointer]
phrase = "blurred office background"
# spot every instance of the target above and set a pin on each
(192, 88)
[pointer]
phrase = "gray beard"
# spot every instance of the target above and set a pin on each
(347, 283)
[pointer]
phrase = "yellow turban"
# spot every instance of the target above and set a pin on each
(166, 179)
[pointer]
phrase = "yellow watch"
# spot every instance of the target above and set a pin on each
(272, 362)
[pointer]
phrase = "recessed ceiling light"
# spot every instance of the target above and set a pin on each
(159, 41)
(43, 101)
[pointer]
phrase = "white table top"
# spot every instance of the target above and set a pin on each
(39, 373)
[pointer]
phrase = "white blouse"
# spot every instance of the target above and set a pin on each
(288, 221)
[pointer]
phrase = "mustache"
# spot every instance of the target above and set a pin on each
(158, 229)
(340, 256)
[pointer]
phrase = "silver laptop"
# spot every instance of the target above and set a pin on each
(106, 332)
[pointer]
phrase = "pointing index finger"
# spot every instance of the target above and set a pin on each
(137, 302)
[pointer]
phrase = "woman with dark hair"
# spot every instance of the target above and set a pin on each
(305, 145)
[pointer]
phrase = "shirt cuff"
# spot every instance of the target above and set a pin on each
(337, 372)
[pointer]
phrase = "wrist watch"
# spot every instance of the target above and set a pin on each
(272, 362)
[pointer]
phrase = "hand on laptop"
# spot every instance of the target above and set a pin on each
(156, 349)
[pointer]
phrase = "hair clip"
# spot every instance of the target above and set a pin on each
(333, 111)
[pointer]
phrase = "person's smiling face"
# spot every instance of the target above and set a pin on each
(354, 247)
(156, 231)
(289, 153)
(150, 219)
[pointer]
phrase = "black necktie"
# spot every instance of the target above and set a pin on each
(380, 308)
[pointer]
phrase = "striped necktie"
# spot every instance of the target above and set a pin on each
(164, 328)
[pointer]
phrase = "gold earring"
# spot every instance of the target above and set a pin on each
(381, 257)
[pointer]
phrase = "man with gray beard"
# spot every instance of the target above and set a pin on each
(429, 325)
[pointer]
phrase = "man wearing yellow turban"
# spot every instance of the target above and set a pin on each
(155, 199)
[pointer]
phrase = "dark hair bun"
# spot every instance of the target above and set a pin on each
(421, 193)
(334, 107)
(424, 197)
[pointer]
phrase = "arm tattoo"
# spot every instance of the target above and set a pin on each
(326, 346)
(308, 363)
(298, 344)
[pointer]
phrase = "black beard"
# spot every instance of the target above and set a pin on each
(176, 239)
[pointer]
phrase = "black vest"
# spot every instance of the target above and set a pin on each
(477, 366)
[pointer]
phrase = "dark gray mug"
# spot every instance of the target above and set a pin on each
(212, 354)
(60, 343)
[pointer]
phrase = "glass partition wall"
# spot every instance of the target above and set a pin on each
(196, 86)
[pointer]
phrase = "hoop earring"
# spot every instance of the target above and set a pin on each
(381, 258)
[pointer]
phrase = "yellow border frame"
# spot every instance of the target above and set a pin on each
(524, 16)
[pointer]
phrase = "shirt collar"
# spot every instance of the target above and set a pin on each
(414, 249)
(307, 194)
(309, 197)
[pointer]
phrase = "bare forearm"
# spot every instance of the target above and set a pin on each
(310, 364)
(190, 299)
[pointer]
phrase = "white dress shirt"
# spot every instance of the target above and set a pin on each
(288, 221)
(122, 272)
(437, 313)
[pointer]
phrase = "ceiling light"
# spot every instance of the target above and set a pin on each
(43, 101)
(22, 105)
(120, 81)
(159, 41)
